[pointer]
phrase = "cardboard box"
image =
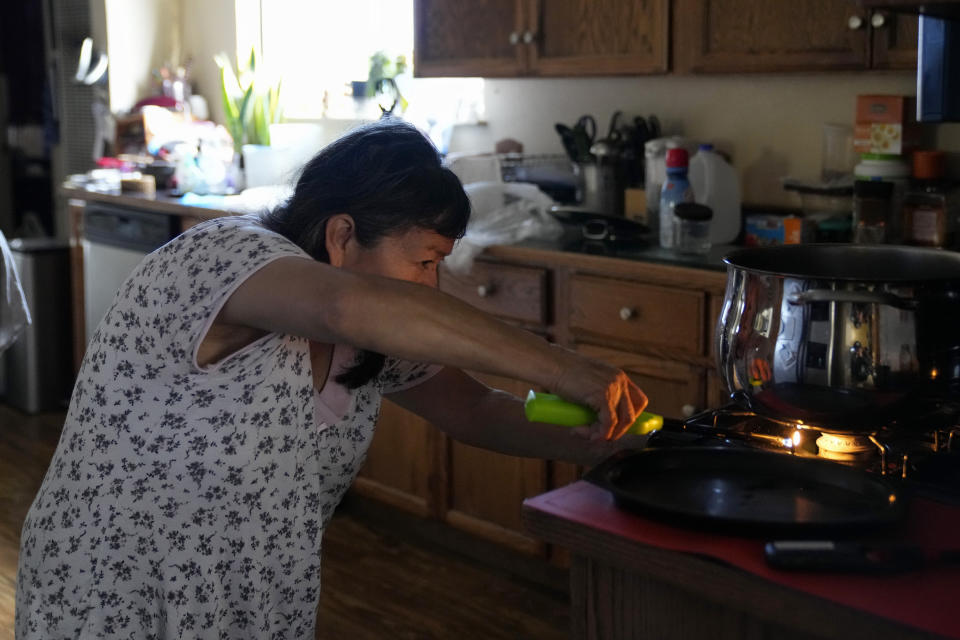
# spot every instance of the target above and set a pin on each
(885, 124)
(762, 230)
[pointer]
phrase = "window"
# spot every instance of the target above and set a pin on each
(319, 47)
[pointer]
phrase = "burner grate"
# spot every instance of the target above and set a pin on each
(895, 450)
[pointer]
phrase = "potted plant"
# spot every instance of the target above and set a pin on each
(250, 104)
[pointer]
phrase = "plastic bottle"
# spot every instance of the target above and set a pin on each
(676, 188)
(715, 184)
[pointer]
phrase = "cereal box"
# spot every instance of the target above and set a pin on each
(885, 124)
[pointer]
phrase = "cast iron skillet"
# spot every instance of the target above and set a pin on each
(749, 492)
(601, 227)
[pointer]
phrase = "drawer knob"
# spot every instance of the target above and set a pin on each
(485, 290)
(854, 23)
(688, 410)
(514, 38)
(626, 313)
(877, 20)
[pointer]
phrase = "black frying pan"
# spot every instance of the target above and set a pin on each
(602, 227)
(749, 492)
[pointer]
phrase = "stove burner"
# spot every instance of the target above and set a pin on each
(907, 450)
(846, 447)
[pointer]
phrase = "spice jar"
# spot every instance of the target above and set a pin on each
(691, 227)
(925, 212)
(871, 210)
(887, 168)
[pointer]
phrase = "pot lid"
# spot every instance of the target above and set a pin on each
(866, 263)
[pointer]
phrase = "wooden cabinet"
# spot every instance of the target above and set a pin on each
(803, 35)
(595, 37)
(469, 38)
(510, 38)
(637, 313)
(402, 467)
(511, 292)
(486, 489)
(894, 40)
(540, 37)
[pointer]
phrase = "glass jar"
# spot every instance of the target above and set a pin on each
(887, 168)
(871, 210)
(691, 227)
(925, 207)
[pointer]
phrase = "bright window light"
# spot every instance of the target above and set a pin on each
(318, 47)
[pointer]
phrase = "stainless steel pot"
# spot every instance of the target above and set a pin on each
(840, 336)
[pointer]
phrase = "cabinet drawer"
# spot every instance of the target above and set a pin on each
(516, 293)
(638, 313)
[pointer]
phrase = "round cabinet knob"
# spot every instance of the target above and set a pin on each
(854, 22)
(688, 410)
(514, 38)
(528, 37)
(484, 290)
(626, 313)
(877, 20)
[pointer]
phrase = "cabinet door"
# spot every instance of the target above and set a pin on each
(468, 38)
(594, 37)
(401, 468)
(894, 40)
(675, 389)
(765, 35)
(487, 489)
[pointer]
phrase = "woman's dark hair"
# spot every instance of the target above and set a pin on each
(389, 178)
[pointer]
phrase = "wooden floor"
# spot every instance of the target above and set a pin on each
(377, 583)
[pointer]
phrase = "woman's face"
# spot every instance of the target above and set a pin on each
(413, 256)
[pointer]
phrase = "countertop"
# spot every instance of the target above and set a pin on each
(731, 570)
(572, 241)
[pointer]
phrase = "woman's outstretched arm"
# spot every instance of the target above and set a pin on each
(303, 297)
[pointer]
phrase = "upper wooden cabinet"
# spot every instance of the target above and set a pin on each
(540, 37)
(510, 38)
(801, 35)
(469, 37)
(594, 37)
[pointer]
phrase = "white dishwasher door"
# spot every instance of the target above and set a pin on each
(105, 267)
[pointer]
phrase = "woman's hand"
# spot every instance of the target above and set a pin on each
(616, 399)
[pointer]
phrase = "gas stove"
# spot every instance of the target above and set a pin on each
(922, 453)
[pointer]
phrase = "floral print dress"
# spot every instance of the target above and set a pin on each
(186, 501)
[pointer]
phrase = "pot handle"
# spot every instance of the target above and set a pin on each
(866, 297)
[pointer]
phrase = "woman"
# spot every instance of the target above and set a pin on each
(228, 397)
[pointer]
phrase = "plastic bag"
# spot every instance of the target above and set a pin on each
(14, 314)
(502, 213)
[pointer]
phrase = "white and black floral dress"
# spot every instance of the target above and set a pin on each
(186, 501)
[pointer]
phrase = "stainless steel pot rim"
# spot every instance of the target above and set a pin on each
(862, 263)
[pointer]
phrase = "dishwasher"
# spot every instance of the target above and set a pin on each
(115, 240)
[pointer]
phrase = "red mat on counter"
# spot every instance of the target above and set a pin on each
(927, 599)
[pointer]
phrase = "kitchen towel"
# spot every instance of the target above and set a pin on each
(14, 314)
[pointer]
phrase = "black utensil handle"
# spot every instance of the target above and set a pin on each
(843, 556)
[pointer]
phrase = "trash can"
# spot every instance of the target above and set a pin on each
(39, 365)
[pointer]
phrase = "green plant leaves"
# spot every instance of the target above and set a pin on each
(249, 105)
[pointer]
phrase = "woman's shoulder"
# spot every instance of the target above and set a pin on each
(234, 234)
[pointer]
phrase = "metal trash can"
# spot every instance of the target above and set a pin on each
(39, 365)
